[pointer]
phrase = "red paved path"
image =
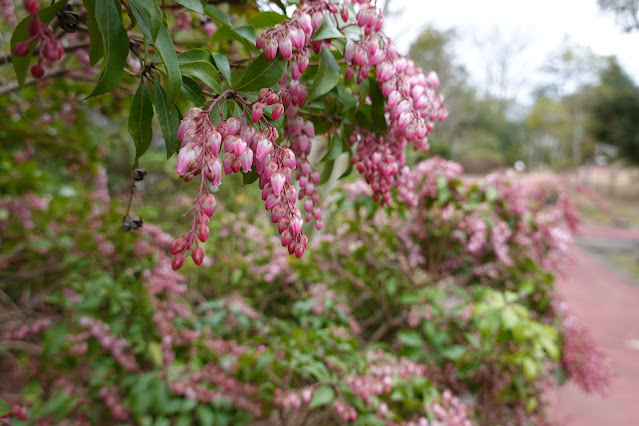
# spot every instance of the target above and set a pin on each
(608, 306)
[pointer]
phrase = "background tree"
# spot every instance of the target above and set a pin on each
(626, 11)
(614, 107)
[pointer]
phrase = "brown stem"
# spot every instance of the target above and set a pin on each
(6, 59)
(12, 87)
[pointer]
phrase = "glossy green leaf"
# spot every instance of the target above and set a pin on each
(21, 33)
(192, 91)
(115, 44)
(203, 71)
(222, 64)
(166, 49)
(261, 73)
(194, 5)
(148, 16)
(267, 19)
(411, 338)
(327, 77)
(326, 172)
(169, 119)
(217, 15)
(96, 49)
(195, 55)
(327, 30)
(205, 415)
(323, 395)
(248, 33)
(250, 177)
(140, 119)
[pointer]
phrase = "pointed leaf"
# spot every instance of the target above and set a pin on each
(96, 49)
(222, 64)
(261, 73)
(267, 19)
(21, 33)
(203, 71)
(194, 5)
(115, 44)
(148, 16)
(195, 55)
(166, 49)
(217, 15)
(327, 30)
(327, 77)
(192, 91)
(169, 119)
(323, 395)
(326, 172)
(140, 120)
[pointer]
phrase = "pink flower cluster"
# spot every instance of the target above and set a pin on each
(8, 12)
(51, 49)
(21, 330)
(17, 410)
(112, 400)
(244, 148)
(584, 361)
(226, 388)
(100, 331)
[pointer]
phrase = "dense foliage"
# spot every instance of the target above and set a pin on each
(419, 298)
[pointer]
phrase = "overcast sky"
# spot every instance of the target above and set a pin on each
(538, 27)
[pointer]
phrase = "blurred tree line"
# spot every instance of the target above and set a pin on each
(588, 105)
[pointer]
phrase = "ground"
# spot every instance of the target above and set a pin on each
(602, 289)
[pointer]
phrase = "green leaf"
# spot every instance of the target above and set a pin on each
(327, 77)
(148, 16)
(249, 177)
(21, 33)
(194, 5)
(115, 44)
(377, 107)
(491, 193)
(411, 338)
(222, 64)
(267, 19)
(192, 91)
(203, 71)
(323, 395)
(195, 55)
(140, 120)
(261, 73)
(96, 49)
(166, 49)
(327, 30)
(509, 318)
(217, 15)
(453, 352)
(169, 120)
(248, 33)
(205, 415)
(326, 172)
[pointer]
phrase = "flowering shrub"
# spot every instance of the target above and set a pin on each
(439, 309)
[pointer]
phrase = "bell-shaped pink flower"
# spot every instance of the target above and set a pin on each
(277, 182)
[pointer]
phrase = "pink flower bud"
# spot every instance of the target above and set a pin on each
(299, 250)
(287, 237)
(271, 49)
(227, 162)
(271, 201)
(432, 79)
(263, 146)
(207, 204)
(272, 99)
(202, 232)
(316, 20)
(214, 140)
(260, 42)
(178, 261)
(384, 72)
(21, 48)
(344, 13)
(257, 112)
(198, 255)
(32, 6)
(302, 63)
(296, 224)
(270, 168)
(246, 160)
(404, 120)
(286, 48)
(178, 245)
(283, 224)
(288, 158)
(350, 71)
(278, 110)
(214, 172)
(277, 182)
(186, 124)
(186, 155)
(278, 213)
(36, 70)
(239, 147)
(234, 125)
(264, 93)
(305, 23)
(393, 99)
